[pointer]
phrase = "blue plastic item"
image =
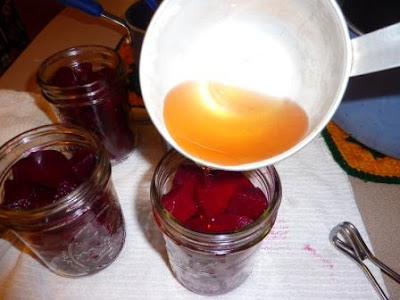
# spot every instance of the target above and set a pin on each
(88, 6)
(153, 4)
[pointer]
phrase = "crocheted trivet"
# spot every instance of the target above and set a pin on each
(358, 160)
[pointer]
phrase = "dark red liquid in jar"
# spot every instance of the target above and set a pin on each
(87, 86)
(107, 115)
(76, 241)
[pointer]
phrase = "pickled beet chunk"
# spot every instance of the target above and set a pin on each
(105, 74)
(82, 163)
(47, 168)
(179, 202)
(18, 195)
(219, 224)
(80, 74)
(213, 198)
(44, 196)
(64, 77)
(215, 201)
(84, 73)
(44, 177)
(64, 188)
(248, 201)
(216, 190)
(187, 174)
(237, 178)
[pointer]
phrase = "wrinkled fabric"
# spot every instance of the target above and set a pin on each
(296, 260)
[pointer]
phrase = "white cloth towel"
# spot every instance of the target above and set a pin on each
(296, 260)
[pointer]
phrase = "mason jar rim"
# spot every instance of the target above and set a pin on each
(75, 197)
(242, 238)
(70, 52)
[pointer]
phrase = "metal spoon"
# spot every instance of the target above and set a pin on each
(346, 238)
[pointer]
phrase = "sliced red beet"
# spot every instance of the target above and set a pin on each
(180, 199)
(82, 162)
(44, 196)
(213, 199)
(248, 201)
(214, 194)
(48, 168)
(43, 177)
(214, 202)
(84, 74)
(235, 178)
(64, 189)
(221, 223)
(18, 195)
(187, 174)
(179, 202)
(64, 77)
(105, 74)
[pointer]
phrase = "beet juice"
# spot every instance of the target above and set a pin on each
(58, 198)
(213, 220)
(87, 87)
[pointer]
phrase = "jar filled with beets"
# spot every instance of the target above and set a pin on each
(87, 86)
(57, 196)
(213, 220)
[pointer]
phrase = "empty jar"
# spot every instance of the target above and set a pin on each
(74, 233)
(87, 86)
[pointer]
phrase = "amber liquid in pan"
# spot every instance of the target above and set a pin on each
(227, 125)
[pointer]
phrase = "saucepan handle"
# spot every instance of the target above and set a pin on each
(376, 51)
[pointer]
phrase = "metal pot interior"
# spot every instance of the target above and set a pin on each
(286, 48)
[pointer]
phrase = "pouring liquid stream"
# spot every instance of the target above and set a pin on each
(228, 125)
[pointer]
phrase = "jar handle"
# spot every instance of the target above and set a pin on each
(376, 51)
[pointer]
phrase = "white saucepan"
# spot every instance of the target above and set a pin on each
(297, 49)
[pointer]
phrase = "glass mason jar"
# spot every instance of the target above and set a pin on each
(80, 233)
(94, 96)
(206, 263)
